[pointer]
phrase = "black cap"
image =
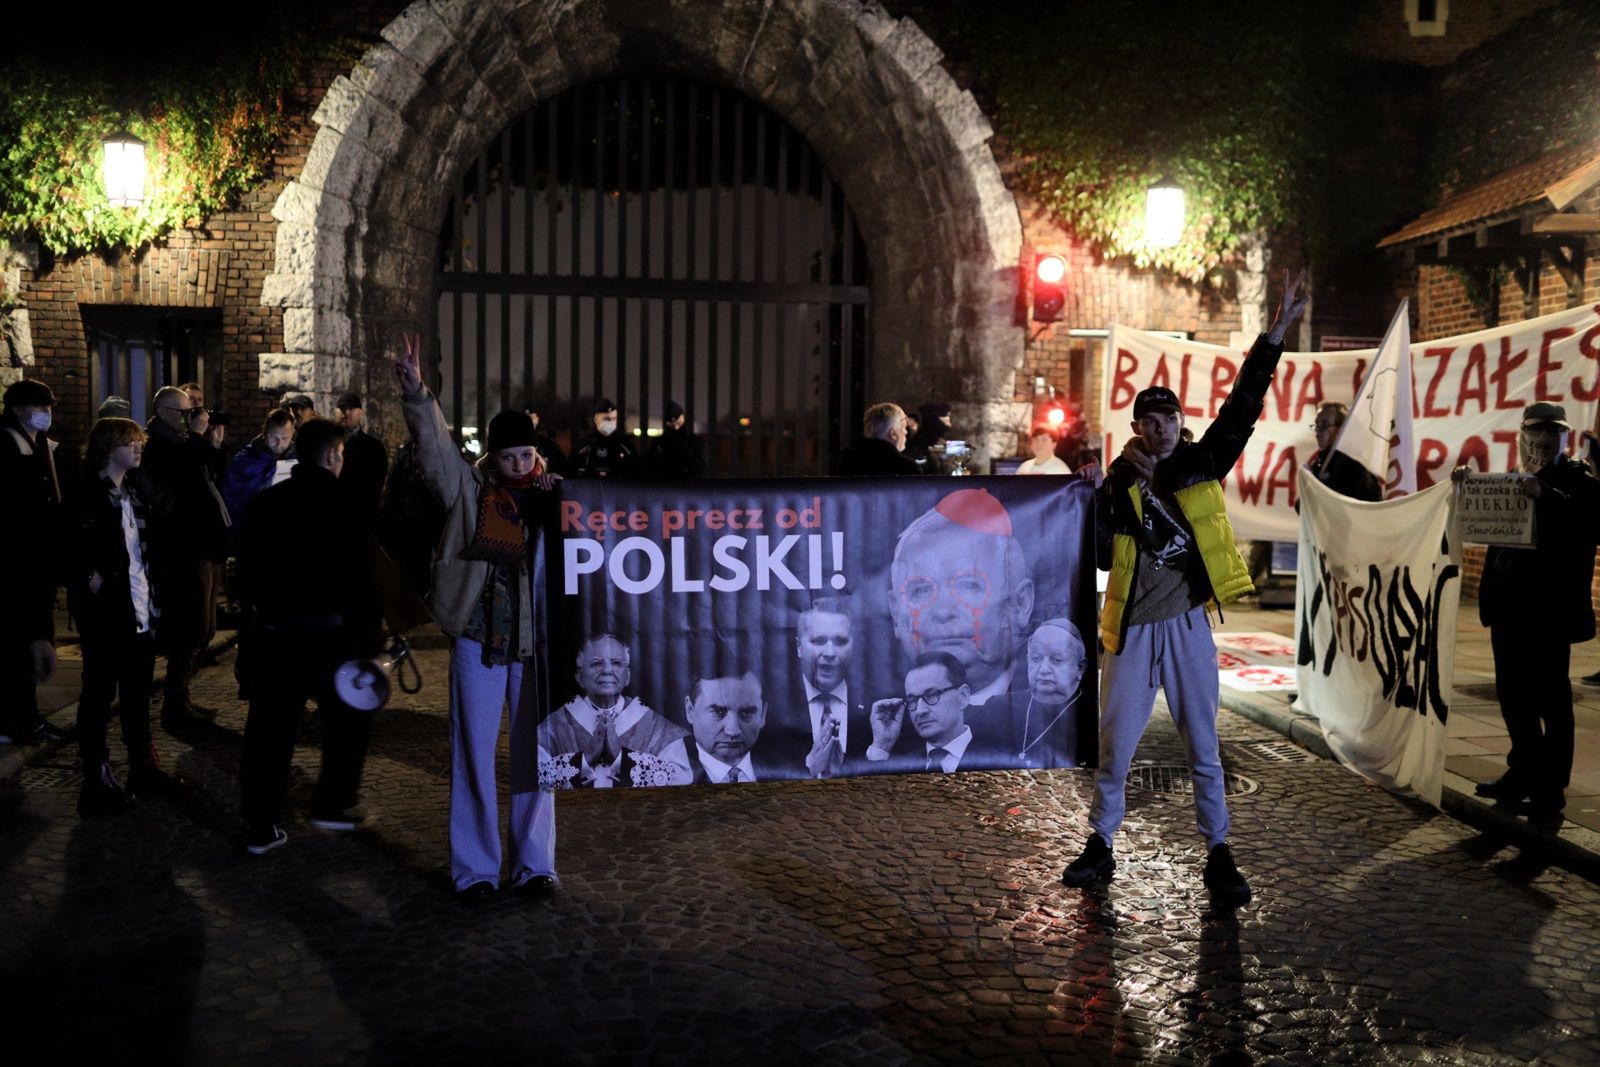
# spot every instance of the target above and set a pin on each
(674, 409)
(349, 400)
(604, 405)
(28, 392)
(1155, 398)
(299, 400)
(510, 429)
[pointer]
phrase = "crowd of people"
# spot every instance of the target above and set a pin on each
(141, 537)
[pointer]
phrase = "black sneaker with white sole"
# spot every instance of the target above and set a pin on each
(1094, 864)
(1228, 887)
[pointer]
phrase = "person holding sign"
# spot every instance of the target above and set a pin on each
(1165, 537)
(1535, 602)
(483, 597)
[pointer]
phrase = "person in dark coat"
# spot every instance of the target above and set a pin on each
(1337, 471)
(1535, 602)
(251, 469)
(308, 583)
(188, 542)
(881, 451)
(366, 461)
(675, 455)
(28, 538)
(114, 604)
(933, 424)
(607, 453)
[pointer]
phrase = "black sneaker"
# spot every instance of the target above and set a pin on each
(39, 732)
(538, 885)
(1228, 887)
(1094, 864)
(477, 894)
(259, 844)
(101, 795)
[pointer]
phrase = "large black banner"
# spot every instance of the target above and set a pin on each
(729, 631)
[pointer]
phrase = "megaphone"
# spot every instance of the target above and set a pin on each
(365, 684)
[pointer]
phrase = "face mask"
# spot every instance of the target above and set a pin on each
(1537, 449)
(608, 427)
(37, 421)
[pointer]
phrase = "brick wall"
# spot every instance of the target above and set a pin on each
(1444, 310)
(219, 265)
(1382, 32)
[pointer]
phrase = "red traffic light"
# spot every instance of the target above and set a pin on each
(1049, 295)
(1055, 416)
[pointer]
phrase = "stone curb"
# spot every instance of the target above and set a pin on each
(13, 758)
(1573, 847)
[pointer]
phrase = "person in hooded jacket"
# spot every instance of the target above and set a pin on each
(113, 602)
(484, 598)
(251, 469)
(28, 538)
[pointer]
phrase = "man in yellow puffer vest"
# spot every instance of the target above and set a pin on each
(1164, 534)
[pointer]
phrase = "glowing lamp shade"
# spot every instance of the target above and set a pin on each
(1055, 416)
(124, 170)
(1163, 214)
(1050, 269)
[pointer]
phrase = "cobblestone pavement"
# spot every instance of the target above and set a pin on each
(906, 920)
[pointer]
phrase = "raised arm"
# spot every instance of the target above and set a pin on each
(444, 470)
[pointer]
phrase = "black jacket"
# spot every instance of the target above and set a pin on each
(1208, 459)
(366, 465)
(1345, 476)
(30, 537)
(188, 520)
(675, 455)
(306, 556)
(96, 544)
(1547, 586)
(873, 457)
(606, 457)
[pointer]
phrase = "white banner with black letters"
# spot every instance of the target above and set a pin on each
(1375, 630)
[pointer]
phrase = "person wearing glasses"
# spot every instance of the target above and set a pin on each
(188, 542)
(1336, 470)
(936, 701)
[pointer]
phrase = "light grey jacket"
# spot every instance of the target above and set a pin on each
(458, 484)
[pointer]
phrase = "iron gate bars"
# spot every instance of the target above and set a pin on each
(653, 239)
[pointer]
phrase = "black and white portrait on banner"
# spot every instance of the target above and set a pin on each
(743, 631)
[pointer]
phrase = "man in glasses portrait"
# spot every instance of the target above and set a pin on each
(937, 698)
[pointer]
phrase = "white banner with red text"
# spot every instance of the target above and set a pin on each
(1467, 398)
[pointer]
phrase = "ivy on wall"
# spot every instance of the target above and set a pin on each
(208, 104)
(1256, 111)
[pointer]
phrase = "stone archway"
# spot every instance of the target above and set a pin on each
(355, 244)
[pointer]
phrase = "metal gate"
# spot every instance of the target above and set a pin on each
(655, 240)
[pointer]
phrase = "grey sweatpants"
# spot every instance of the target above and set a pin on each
(1178, 656)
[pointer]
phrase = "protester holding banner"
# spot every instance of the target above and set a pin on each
(1536, 604)
(1336, 470)
(484, 597)
(1164, 531)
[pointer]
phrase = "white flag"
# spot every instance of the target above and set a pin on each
(1378, 433)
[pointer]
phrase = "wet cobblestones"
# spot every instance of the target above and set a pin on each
(909, 920)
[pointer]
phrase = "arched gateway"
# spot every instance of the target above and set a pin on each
(360, 231)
